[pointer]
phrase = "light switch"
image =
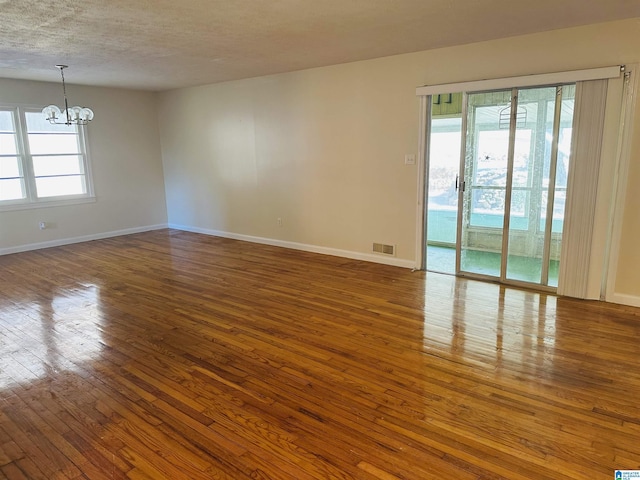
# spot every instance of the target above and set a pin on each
(410, 159)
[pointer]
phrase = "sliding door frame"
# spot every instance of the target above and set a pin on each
(551, 79)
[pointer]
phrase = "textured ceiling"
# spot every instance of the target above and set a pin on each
(163, 44)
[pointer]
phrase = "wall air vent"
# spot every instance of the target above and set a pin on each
(384, 249)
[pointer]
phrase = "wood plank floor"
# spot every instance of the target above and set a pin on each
(182, 356)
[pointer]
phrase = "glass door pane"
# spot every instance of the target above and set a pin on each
(534, 244)
(444, 166)
(485, 181)
(565, 132)
(531, 163)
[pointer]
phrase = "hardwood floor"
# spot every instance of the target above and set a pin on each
(182, 356)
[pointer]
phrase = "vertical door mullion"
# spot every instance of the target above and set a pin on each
(513, 124)
(553, 163)
(461, 178)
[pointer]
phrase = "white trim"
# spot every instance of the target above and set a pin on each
(47, 203)
(522, 81)
(623, 160)
(423, 162)
(396, 262)
(624, 299)
(83, 238)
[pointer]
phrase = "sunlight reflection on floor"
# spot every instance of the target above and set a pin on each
(55, 331)
(489, 324)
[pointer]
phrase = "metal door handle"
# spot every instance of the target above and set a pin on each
(464, 184)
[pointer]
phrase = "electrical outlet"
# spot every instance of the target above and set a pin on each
(42, 225)
(279, 221)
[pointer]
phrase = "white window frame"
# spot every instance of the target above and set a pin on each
(25, 160)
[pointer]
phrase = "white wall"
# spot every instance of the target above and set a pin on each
(126, 162)
(323, 149)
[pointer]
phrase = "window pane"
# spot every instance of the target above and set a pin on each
(566, 131)
(7, 144)
(487, 207)
(519, 219)
(522, 161)
(53, 143)
(9, 167)
(57, 165)
(491, 165)
(558, 210)
(6, 121)
(11, 189)
(37, 123)
(60, 186)
(444, 165)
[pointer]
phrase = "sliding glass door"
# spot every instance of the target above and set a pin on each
(444, 180)
(499, 162)
(541, 161)
(485, 168)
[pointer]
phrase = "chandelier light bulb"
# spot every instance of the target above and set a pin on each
(86, 114)
(52, 113)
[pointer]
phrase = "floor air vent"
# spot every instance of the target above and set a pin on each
(384, 249)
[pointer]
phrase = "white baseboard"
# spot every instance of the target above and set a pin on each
(83, 238)
(396, 262)
(624, 299)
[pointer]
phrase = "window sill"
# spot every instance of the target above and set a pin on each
(46, 203)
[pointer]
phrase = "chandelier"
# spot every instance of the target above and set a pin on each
(71, 115)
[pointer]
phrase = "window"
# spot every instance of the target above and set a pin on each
(41, 163)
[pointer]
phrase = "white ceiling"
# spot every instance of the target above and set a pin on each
(164, 44)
